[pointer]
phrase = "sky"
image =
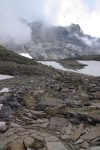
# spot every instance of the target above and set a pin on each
(86, 13)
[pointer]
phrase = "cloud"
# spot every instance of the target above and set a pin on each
(86, 13)
(12, 12)
(54, 12)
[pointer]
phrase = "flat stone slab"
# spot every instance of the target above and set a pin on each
(55, 146)
(50, 101)
(58, 122)
(97, 105)
(95, 148)
(92, 134)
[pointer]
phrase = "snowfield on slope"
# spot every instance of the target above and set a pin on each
(92, 68)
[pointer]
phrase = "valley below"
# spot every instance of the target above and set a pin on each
(46, 108)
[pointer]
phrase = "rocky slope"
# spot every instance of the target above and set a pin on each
(50, 42)
(48, 109)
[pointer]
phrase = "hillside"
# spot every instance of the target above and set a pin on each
(12, 63)
(11, 56)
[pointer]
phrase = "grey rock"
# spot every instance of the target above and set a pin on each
(6, 111)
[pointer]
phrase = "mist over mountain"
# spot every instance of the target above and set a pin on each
(44, 28)
(57, 42)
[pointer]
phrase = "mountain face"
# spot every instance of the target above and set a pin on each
(56, 42)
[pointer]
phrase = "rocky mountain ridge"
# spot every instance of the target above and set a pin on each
(56, 42)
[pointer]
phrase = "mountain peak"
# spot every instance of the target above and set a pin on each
(75, 28)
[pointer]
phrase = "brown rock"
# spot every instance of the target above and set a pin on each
(75, 135)
(51, 111)
(17, 145)
(29, 100)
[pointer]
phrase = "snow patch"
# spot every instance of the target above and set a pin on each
(4, 90)
(92, 68)
(3, 77)
(26, 55)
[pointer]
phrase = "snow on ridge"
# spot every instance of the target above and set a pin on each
(26, 55)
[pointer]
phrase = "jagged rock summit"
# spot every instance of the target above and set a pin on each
(57, 42)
